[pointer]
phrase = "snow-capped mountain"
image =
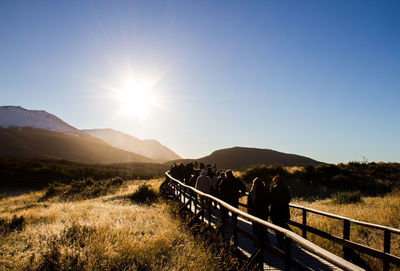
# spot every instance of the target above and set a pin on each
(37, 133)
(16, 116)
(148, 147)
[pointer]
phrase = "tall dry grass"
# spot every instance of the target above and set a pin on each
(105, 233)
(381, 210)
(384, 210)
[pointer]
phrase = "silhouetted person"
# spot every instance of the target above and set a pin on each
(188, 172)
(203, 183)
(280, 198)
(214, 185)
(181, 172)
(210, 172)
(193, 178)
(257, 205)
(231, 189)
(202, 166)
(217, 184)
(174, 171)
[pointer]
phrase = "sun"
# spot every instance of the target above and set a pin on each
(136, 97)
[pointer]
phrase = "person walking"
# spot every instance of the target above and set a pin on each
(280, 198)
(203, 182)
(231, 189)
(257, 205)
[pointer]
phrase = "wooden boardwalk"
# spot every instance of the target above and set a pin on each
(296, 253)
(271, 262)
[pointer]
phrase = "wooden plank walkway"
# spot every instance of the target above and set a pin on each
(298, 254)
(271, 262)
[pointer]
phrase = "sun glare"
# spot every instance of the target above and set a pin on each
(136, 98)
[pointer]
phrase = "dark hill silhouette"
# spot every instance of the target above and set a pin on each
(32, 142)
(240, 158)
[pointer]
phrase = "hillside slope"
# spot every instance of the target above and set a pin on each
(32, 142)
(17, 116)
(240, 158)
(149, 148)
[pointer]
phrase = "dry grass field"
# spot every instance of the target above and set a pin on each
(384, 210)
(104, 233)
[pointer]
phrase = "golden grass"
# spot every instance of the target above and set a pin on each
(106, 233)
(377, 210)
(383, 210)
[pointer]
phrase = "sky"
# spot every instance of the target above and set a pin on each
(314, 78)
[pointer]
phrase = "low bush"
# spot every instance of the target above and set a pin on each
(264, 172)
(53, 190)
(15, 224)
(347, 197)
(83, 189)
(144, 194)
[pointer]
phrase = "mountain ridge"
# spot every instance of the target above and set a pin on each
(41, 143)
(243, 157)
(28, 141)
(150, 148)
(17, 116)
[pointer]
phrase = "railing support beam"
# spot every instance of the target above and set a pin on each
(304, 230)
(346, 236)
(386, 249)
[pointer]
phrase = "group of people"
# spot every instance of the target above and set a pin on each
(264, 200)
(208, 179)
(269, 201)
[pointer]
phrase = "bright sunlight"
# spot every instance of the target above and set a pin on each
(136, 97)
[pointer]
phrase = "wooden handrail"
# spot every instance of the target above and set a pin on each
(324, 254)
(358, 222)
(344, 241)
(362, 223)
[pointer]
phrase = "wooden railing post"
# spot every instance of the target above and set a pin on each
(304, 231)
(386, 249)
(184, 195)
(191, 200)
(202, 207)
(346, 236)
(209, 211)
(196, 202)
(261, 258)
(288, 253)
(235, 230)
(223, 220)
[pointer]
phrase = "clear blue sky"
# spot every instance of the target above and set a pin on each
(315, 78)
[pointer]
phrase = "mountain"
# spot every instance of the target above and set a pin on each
(240, 158)
(34, 133)
(16, 116)
(34, 142)
(149, 148)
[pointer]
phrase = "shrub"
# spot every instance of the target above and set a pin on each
(144, 194)
(83, 189)
(53, 190)
(264, 172)
(347, 197)
(15, 224)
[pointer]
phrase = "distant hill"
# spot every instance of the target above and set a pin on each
(148, 148)
(17, 116)
(37, 133)
(240, 158)
(33, 142)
